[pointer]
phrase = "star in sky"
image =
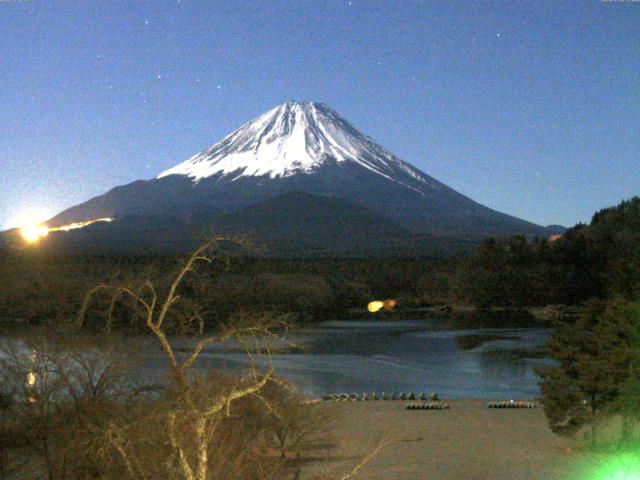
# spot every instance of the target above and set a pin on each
(435, 79)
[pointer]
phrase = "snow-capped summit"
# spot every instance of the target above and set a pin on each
(282, 163)
(295, 137)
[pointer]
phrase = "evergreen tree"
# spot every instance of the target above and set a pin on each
(593, 365)
(621, 322)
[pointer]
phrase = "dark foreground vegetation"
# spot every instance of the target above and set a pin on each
(67, 412)
(76, 406)
(597, 376)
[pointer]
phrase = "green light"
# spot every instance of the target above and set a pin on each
(624, 466)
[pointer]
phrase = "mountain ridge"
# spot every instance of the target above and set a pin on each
(306, 147)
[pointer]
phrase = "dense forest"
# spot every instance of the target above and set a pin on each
(599, 260)
(596, 378)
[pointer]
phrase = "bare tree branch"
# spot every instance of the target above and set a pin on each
(370, 456)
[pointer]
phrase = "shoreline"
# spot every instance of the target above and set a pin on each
(466, 441)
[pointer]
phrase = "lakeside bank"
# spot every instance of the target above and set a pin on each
(468, 441)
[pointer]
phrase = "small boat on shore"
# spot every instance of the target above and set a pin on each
(511, 404)
(427, 406)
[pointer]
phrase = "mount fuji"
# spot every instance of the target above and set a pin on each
(297, 155)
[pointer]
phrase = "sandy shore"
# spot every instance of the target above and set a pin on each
(466, 442)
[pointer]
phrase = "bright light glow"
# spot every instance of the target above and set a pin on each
(375, 306)
(26, 217)
(33, 233)
(621, 466)
(31, 224)
(31, 380)
(390, 304)
(622, 469)
(73, 226)
(378, 305)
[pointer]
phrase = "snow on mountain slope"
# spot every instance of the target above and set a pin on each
(292, 138)
(299, 147)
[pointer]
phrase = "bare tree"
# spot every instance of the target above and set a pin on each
(292, 421)
(197, 413)
(58, 393)
(6, 403)
(88, 413)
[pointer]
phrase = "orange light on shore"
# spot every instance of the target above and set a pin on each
(375, 306)
(378, 305)
(390, 304)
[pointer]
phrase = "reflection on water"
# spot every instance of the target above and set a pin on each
(417, 356)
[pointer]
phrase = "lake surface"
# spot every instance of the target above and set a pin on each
(381, 356)
(403, 356)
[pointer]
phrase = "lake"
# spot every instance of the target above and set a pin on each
(404, 356)
(345, 356)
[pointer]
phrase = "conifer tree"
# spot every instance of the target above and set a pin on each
(621, 322)
(593, 365)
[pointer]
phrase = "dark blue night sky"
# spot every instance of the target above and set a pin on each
(532, 108)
